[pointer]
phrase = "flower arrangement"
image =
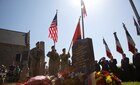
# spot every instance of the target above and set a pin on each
(106, 78)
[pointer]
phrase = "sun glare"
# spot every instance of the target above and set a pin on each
(97, 2)
(76, 2)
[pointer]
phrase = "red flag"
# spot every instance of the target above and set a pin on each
(53, 31)
(108, 52)
(83, 8)
(137, 26)
(131, 43)
(77, 34)
(118, 45)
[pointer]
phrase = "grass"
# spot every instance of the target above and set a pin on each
(131, 83)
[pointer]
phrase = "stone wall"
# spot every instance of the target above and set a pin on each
(8, 53)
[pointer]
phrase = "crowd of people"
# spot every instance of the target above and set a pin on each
(58, 63)
(10, 74)
(126, 72)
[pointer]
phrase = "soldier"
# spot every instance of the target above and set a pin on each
(36, 53)
(136, 62)
(54, 61)
(64, 59)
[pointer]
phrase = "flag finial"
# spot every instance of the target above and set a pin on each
(56, 10)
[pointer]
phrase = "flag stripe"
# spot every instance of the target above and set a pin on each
(53, 31)
(119, 49)
(131, 47)
(108, 53)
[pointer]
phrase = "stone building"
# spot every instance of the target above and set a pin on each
(14, 47)
(15, 50)
(37, 59)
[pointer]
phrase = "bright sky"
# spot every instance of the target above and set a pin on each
(104, 17)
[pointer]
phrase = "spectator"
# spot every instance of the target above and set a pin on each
(128, 70)
(97, 66)
(104, 63)
(136, 62)
(113, 66)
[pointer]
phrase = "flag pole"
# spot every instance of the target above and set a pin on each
(82, 19)
(137, 26)
(135, 11)
(54, 44)
(70, 47)
(56, 10)
(57, 22)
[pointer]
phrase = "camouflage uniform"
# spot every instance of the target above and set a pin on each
(64, 60)
(54, 62)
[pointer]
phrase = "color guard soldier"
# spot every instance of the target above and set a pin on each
(54, 61)
(64, 59)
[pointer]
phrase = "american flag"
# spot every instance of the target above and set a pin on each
(53, 31)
